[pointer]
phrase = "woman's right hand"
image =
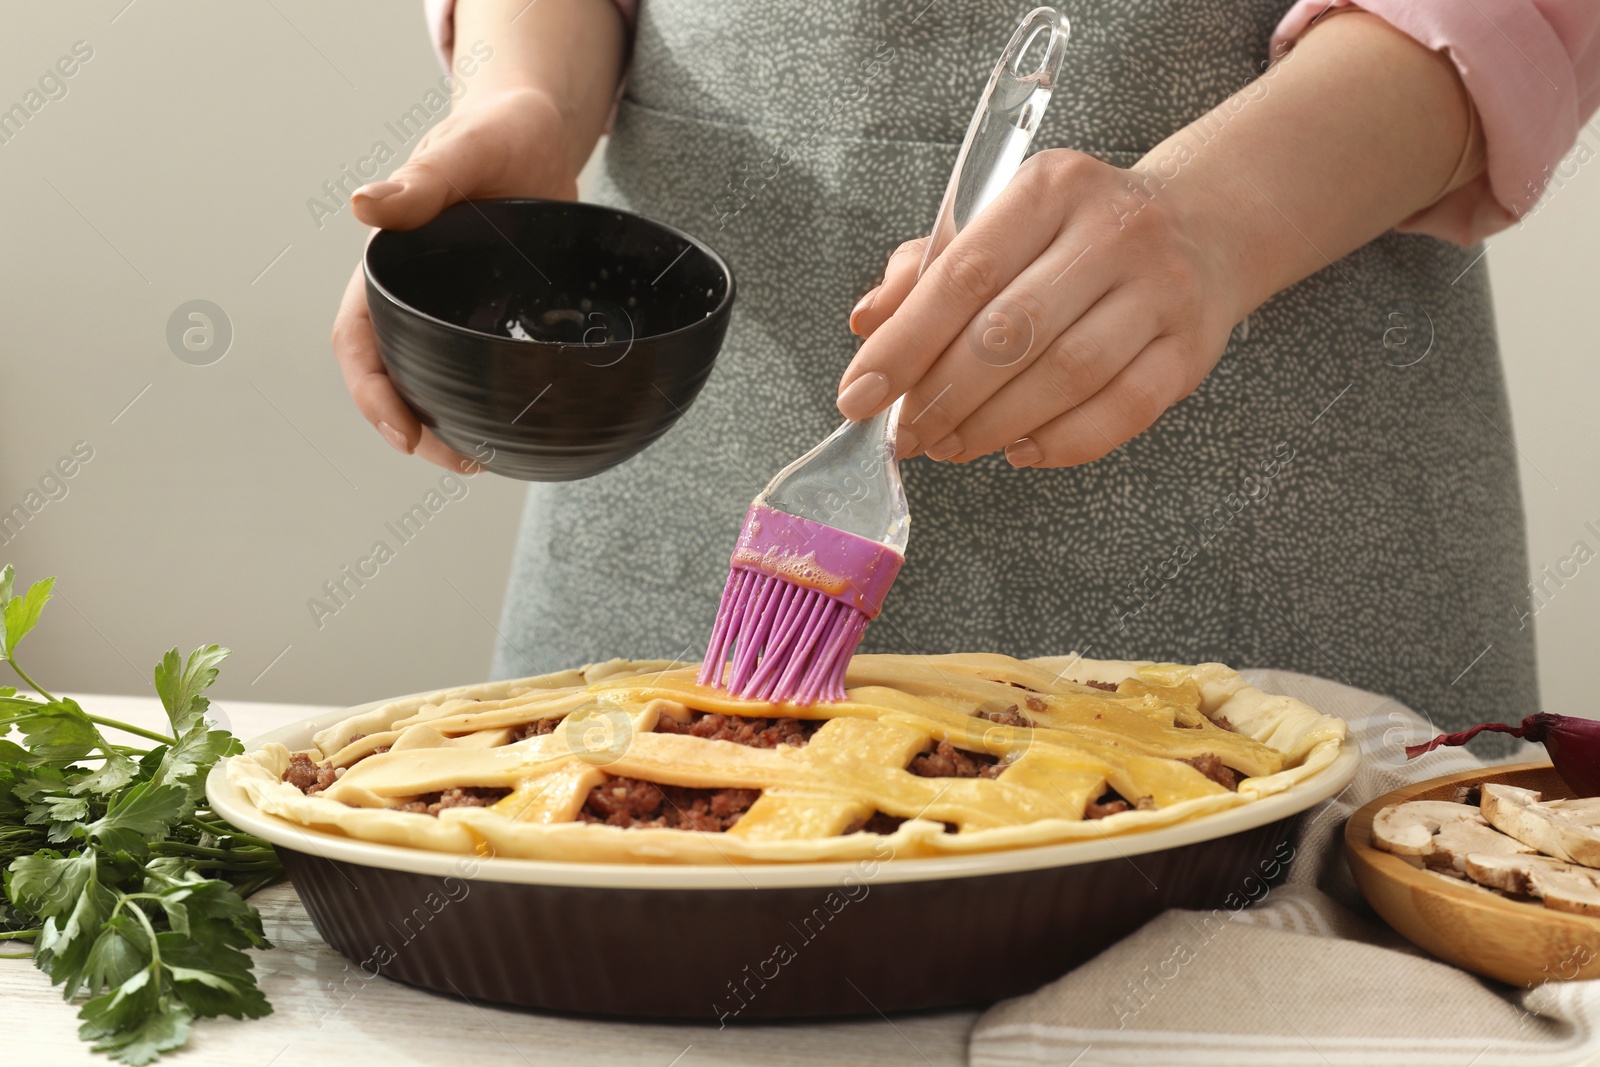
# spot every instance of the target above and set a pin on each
(513, 142)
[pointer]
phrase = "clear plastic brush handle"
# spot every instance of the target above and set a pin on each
(1003, 126)
(851, 481)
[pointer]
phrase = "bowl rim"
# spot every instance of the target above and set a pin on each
(717, 312)
(230, 802)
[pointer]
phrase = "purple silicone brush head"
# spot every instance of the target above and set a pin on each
(796, 605)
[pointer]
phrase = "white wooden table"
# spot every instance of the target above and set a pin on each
(389, 1023)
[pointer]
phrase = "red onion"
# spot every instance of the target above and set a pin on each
(1573, 744)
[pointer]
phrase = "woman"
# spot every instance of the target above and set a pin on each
(1285, 248)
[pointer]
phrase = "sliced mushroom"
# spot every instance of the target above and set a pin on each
(1567, 830)
(1583, 811)
(1458, 839)
(1408, 830)
(1562, 886)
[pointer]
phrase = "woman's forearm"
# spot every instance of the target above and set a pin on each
(1354, 130)
(569, 51)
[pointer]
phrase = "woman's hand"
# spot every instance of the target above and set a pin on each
(1086, 300)
(510, 143)
(1073, 311)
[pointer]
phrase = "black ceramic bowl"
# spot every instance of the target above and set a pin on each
(547, 340)
(731, 944)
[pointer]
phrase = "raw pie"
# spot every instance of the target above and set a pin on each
(935, 755)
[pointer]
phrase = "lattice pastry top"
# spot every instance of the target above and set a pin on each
(634, 762)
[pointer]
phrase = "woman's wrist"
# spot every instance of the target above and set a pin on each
(563, 57)
(1201, 209)
(528, 111)
(1314, 158)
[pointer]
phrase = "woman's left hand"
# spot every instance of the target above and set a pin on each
(1064, 320)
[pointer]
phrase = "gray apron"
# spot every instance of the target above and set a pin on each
(1339, 497)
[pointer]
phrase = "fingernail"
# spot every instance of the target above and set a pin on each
(379, 190)
(906, 443)
(394, 437)
(862, 395)
(1024, 453)
(942, 450)
(863, 305)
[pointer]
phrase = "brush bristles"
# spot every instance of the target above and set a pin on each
(788, 642)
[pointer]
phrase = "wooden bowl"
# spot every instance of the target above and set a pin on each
(1482, 931)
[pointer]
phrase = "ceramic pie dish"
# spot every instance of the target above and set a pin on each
(815, 908)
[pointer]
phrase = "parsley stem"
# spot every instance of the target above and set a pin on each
(35, 686)
(226, 870)
(235, 837)
(144, 920)
(260, 881)
(149, 932)
(183, 848)
(115, 725)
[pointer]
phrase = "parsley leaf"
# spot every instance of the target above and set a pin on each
(116, 954)
(180, 684)
(137, 817)
(166, 1027)
(197, 750)
(136, 1023)
(57, 730)
(47, 883)
(64, 941)
(47, 801)
(115, 771)
(21, 612)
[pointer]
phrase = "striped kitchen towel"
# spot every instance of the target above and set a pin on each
(1307, 974)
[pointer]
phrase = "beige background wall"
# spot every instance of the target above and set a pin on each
(178, 166)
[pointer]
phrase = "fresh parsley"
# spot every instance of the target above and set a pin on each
(128, 890)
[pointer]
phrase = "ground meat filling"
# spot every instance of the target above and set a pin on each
(1211, 766)
(1011, 716)
(756, 733)
(945, 760)
(1221, 721)
(307, 775)
(454, 797)
(880, 823)
(633, 803)
(536, 728)
(377, 751)
(1111, 802)
(884, 823)
(1109, 687)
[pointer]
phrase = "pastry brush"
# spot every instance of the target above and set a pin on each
(824, 540)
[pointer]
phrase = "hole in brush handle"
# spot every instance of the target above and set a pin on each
(1041, 21)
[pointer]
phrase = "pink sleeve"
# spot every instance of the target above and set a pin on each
(1532, 68)
(441, 16)
(441, 23)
